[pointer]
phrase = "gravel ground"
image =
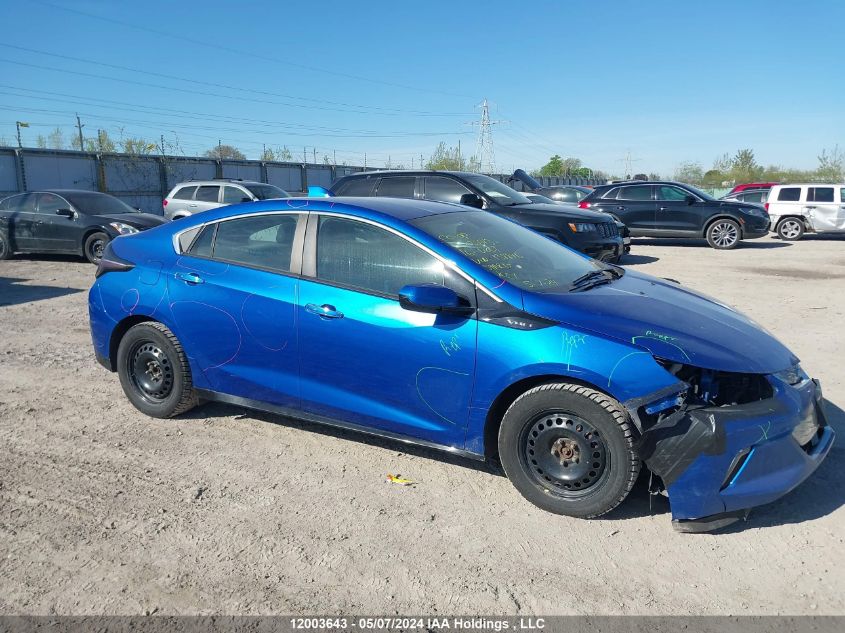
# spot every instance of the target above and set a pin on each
(103, 510)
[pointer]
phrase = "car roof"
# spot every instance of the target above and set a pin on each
(64, 192)
(811, 184)
(412, 172)
(221, 181)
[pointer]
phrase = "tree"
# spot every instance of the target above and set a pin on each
(56, 139)
(326, 159)
(553, 168)
(713, 178)
(744, 167)
(450, 158)
(225, 152)
(689, 172)
(41, 142)
(137, 146)
(830, 165)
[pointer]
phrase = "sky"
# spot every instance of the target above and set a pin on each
(662, 82)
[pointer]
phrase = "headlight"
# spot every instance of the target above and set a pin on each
(123, 229)
(760, 213)
(582, 227)
(793, 375)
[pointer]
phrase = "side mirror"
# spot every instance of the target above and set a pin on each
(472, 200)
(432, 298)
(65, 212)
(245, 199)
(319, 192)
(690, 199)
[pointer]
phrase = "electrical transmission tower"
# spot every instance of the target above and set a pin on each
(484, 153)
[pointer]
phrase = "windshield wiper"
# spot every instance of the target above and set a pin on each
(592, 279)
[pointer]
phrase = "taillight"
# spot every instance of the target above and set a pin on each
(583, 205)
(766, 207)
(111, 263)
(164, 202)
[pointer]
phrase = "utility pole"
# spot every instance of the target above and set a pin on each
(79, 127)
(484, 147)
(219, 149)
(304, 154)
(628, 164)
(162, 145)
(334, 152)
(19, 125)
(422, 164)
(314, 149)
(460, 162)
(365, 160)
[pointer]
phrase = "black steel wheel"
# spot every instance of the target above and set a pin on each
(5, 246)
(154, 371)
(569, 449)
(94, 246)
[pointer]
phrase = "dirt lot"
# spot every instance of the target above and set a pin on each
(103, 510)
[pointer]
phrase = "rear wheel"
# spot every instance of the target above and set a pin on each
(790, 229)
(569, 449)
(154, 371)
(723, 234)
(94, 246)
(5, 246)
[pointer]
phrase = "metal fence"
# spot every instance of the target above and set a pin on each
(144, 181)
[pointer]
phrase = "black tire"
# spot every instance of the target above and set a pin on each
(790, 229)
(154, 371)
(556, 422)
(94, 246)
(724, 234)
(5, 246)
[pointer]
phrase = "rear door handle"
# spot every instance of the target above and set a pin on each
(620, 208)
(192, 279)
(324, 311)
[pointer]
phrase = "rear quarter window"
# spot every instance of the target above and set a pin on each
(789, 194)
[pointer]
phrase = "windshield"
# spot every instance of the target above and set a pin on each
(500, 192)
(700, 193)
(98, 203)
(267, 192)
(508, 250)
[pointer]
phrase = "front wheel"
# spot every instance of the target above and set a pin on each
(569, 449)
(94, 246)
(154, 371)
(790, 229)
(723, 234)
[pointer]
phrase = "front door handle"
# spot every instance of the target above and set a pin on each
(324, 311)
(192, 279)
(620, 208)
(192, 206)
(662, 208)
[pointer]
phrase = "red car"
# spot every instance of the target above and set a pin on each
(753, 185)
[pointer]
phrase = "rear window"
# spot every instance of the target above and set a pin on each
(820, 194)
(185, 193)
(789, 194)
(355, 187)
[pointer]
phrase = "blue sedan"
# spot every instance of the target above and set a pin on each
(450, 327)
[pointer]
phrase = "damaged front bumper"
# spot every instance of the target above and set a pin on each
(717, 462)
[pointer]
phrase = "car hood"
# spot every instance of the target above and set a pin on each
(138, 220)
(563, 210)
(669, 321)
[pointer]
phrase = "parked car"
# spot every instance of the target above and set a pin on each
(594, 234)
(754, 196)
(67, 221)
(196, 196)
(623, 230)
(752, 185)
(450, 327)
(814, 207)
(558, 193)
(673, 209)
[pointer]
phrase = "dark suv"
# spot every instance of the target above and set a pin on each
(673, 209)
(595, 234)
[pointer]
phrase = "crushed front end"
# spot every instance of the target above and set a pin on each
(731, 441)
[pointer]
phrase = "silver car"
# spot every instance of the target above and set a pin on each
(195, 196)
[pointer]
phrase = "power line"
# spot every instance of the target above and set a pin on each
(182, 38)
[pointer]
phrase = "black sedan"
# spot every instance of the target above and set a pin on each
(673, 209)
(67, 221)
(595, 234)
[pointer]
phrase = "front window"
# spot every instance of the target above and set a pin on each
(365, 257)
(98, 203)
(444, 189)
(49, 203)
(499, 191)
(233, 195)
(207, 193)
(508, 250)
(671, 194)
(267, 192)
(820, 194)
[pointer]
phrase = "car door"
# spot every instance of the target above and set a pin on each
(674, 212)
(206, 197)
(367, 361)
(824, 209)
(635, 206)
(22, 220)
(233, 299)
(55, 232)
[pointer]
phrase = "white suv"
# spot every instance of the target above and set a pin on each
(194, 196)
(816, 207)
